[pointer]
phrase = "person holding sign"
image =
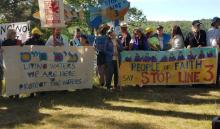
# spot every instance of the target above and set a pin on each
(163, 38)
(84, 40)
(177, 41)
(99, 45)
(125, 37)
(197, 37)
(35, 38)
(76, 38)
(139, 41)
(56, 39)
(152, 40)
(11, 41)
(213, 40)
(113, 47)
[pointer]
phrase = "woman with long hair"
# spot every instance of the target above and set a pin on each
(177, 41)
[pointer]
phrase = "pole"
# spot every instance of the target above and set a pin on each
(54, 37)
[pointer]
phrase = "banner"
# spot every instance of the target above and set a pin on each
(180, 67)
(51, 13)
(39, 68)
(22, 30)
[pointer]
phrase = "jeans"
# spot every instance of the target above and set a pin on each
(111, 68)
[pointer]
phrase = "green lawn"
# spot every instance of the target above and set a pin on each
(133, 108)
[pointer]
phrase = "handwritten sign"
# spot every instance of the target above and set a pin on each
(39, 68)
(22, 30)
(52, 13)
(108, 10)
(181, 67)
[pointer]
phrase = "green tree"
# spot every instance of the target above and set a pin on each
(136, 18)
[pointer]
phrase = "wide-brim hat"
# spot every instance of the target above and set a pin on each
(104, 27)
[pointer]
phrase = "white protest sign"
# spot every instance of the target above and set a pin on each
(22, 30)
(51, 13)
(33, 69)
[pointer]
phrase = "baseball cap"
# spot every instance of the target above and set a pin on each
(149, 29)
(159, 27)
(215, 19)
(196, 23)
(36, 31)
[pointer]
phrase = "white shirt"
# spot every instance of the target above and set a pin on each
(60, 40)
(161, 42)
(212, 35)
(177, 42)
(75, 42)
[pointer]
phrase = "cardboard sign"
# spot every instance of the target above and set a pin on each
(51, 13)
(22, 30)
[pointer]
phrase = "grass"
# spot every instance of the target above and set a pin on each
(133, 108)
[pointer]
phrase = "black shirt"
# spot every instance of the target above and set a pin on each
(35, 41)
(196, 39)
(141, 44)
(9, 42)
(126, 42)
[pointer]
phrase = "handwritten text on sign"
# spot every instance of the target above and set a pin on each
(22, 30)
(47, 69)
(198, 66)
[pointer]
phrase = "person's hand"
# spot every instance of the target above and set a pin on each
(188, 47)
(21, 45)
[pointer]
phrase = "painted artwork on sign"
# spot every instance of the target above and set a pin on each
(32, 69)
(180, 67)
(51, 13)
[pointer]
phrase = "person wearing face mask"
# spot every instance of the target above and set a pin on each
(197, 37)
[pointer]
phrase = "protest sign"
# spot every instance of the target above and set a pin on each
(51, 13)
(22, 30)
(180, 67)
(33, 69)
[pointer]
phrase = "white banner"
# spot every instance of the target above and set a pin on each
(51, 13)
(22, 29)
(38, 68)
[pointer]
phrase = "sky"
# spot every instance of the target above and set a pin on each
(166, 10)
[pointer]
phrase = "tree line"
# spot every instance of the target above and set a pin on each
(22, 10)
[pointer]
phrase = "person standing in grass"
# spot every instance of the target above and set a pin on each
(99, 45)
(113, 47)
(12, 41)
(213, 40)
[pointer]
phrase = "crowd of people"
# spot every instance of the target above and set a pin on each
(109, 45)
